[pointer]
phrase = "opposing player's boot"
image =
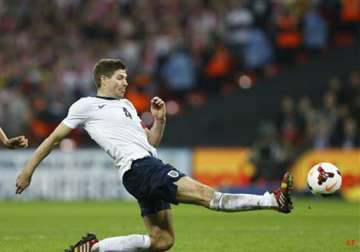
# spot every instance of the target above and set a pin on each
(282, 194)
(84, 245)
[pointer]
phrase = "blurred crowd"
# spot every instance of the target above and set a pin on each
(304, 124)
(181, 50)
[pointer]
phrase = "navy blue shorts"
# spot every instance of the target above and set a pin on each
(151, 182)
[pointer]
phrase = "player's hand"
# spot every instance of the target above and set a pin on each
(17, 142)
(23, 181)
(158, 108)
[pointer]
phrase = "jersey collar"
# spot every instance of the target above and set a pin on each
(106, 98)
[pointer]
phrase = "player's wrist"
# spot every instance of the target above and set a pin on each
(161, 119)
(29, 171)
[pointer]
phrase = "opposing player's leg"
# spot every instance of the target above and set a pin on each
(194, 192)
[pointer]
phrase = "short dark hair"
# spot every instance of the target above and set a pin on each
(106, 67)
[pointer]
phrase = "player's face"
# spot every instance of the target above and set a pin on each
(116, 84)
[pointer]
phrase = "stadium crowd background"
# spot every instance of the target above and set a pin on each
(301, 126)
(183, 51)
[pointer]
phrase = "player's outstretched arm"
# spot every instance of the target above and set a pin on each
(24, 178)
(14, 142)
(158, 111)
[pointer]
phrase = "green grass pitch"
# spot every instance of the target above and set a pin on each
(315, 225)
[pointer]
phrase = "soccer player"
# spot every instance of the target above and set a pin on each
(14, 142)
(112, 121)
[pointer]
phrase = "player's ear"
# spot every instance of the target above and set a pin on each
(102, 80)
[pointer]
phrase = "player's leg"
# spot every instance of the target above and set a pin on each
(128, 243)
(160, 229)
(194, 192)
(148, 182)
(160, 234)
(158, 222)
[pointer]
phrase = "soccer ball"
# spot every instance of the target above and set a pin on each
(324, 179)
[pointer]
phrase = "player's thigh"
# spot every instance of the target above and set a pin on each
(160, 229)
(194, 192)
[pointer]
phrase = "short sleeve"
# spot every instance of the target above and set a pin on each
(77, 115)
(130, 105)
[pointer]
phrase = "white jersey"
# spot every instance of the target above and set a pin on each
(115, 126)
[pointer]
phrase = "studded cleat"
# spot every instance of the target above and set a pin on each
(282, 194)
(84, 245)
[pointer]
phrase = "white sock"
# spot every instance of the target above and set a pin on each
(129, 243)
(240, 202)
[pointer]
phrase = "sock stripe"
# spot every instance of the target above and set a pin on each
(220, 201)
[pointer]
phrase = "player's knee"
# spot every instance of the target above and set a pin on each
(162, 242)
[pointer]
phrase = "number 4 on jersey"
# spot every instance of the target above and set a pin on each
(127, 113)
